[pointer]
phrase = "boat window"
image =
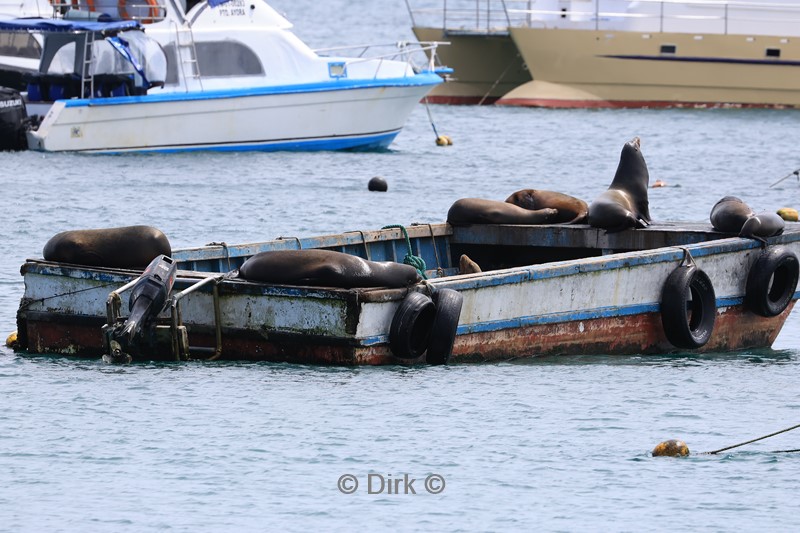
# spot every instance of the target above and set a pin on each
(172, 64)
(227, 58)
(668, 48)
(19, 44)
(773, 52)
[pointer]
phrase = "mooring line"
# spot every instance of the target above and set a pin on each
(756, 440)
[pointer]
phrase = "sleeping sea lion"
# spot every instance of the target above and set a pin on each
(480, 211)
(732, 215)
(762, 225)
(624, 205)
(126, 247)
(571, 210)
(326, 268)
(729, 214)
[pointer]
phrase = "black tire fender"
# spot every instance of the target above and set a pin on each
(411, 326)
(443, 333)
(771, 282)
(688, 307)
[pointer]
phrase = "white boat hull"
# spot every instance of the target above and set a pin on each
(294, 118)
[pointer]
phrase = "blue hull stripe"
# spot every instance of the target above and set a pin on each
(338, 84)
(362, 142)
(555, 318)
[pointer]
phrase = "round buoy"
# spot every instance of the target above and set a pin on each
(378, 184)
(444, 140)
(658, 183)
(11, 341)
(671, 448)
(788, 214)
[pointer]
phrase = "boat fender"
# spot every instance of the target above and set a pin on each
(443, 332)
(771, 282)
(688, 307)
(411, 326)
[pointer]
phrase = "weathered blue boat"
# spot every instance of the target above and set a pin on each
(552, 289)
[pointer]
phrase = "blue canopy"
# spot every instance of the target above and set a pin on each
(60, 25)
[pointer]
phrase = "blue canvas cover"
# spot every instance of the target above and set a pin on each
(60, 25)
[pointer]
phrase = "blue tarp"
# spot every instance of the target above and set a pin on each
(60, 25)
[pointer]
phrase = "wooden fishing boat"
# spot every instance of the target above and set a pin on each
(551, 289)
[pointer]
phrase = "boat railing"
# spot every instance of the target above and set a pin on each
(419, 55)
(143, 11)
(684, 16)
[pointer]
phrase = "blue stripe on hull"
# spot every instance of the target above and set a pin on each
(572, 316)
(365, 143)
(418, 80)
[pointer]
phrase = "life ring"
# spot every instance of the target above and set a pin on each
(153, 13)
(411, 326)
(443, 332)
(771, 282)
(688, 307)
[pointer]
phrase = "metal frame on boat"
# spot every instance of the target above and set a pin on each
(558, 289)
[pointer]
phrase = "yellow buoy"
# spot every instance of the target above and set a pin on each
(11, 341)
(444, 140)
(671, 448)
(788, 214)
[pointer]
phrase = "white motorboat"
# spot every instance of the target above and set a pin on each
(224, 76)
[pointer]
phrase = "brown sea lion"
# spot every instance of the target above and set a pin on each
(480, 211)
(729, 214)
(732, 215)
(571, 210)
(326, 268)
(467, 265)
(625, 204)
(125, 247)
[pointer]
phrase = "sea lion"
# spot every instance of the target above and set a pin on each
(126, 247)
(762, 225)
(732, 215)
(326, 268)
(467, 265)
(729, 214)
(571, 210)
(480, 211)
(624, 205)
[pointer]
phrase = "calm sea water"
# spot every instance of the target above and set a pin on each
(556, 444)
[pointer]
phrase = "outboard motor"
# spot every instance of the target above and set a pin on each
(148, 298)
(13, 120)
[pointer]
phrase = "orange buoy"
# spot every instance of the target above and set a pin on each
(788, 214)
(671, 448)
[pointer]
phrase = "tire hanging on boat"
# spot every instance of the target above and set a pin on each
(443, 333)
(688, 307)
(771, 282)
(411, 326)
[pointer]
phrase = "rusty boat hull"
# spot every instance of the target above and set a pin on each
(544, 290)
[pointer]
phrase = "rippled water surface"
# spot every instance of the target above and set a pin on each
(556, 444)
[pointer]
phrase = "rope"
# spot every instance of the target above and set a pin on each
(430, 117)
(410, 259)
(754, 440)
(795, 173)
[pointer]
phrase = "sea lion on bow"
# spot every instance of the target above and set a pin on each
(571, 210)
(624, 205)
(762, 225)
(732, 215)
(326, 268)
(480, 211)
(125, 247)
(729, 214)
